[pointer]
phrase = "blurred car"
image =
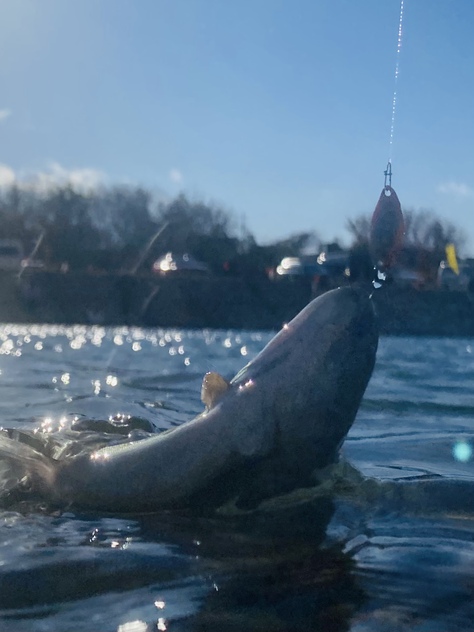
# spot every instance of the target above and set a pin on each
(182, 264)
(324, 270)
(449, 280)
(37, 264)
(11, 254)
(291, 266)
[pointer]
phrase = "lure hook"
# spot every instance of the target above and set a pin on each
(388, 175)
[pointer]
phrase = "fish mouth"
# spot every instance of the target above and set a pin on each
(363, 323)
(351, 306)
(350, 313)
(345, 344)
(357, 344)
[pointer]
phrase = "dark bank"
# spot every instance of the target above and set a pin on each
(223, 302)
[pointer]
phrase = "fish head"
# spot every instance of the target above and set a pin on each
(308, 382)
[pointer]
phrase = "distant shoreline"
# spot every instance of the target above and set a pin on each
(221, 302)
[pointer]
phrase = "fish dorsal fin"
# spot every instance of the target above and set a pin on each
(213, 388)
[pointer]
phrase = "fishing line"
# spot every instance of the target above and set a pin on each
(388, 172)
(387, 227)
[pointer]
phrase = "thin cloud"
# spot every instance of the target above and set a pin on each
(81, 179)
(4, 114)
(176, 176)
(7, 176)
(458, 189)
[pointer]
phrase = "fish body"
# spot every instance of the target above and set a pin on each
(283, 416)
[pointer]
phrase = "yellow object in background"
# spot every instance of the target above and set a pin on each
(451, 258)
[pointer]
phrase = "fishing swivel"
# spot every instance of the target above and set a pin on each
(388, 175)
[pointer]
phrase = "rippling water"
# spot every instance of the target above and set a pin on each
(393, 552)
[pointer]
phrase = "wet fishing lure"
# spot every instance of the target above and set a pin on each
(387, 229)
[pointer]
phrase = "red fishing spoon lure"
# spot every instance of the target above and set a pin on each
(387, 229)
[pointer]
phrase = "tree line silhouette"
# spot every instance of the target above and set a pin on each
(108, 228)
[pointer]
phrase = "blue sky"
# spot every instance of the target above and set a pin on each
(279, 110)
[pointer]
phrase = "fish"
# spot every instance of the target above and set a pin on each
(271, 429)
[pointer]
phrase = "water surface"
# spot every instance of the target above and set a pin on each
(393, 553)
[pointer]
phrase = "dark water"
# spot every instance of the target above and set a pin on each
(394, 552)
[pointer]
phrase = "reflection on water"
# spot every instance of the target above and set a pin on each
(390, 552)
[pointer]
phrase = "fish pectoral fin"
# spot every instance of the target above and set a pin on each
(213, 388)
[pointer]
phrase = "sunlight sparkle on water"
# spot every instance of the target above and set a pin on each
(65, 378)
(78, 342)
(47, 424)
(7, 347)
(462, 451)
